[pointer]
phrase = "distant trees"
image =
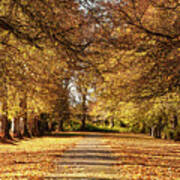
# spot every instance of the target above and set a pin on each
(125, 52)
(138, 60)
(38, 43)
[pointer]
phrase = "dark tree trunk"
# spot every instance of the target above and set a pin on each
(175, 121)
(155, 132)
(7, 127)
(158, 130)
(17, 130)
(23, 105)
(35, 128)
(6, 122)
(106, 122)
(40, 128)
(143, 129)
(26, 130)
(61, 124)
(84, 109)
(176, 130)
(83, 122)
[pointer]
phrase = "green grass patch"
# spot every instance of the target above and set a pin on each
(94, 128)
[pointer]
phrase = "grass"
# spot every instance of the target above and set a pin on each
(100, 128)
(33, 158)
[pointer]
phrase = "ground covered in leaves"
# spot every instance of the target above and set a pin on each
(143, 157)
(33, 158)
(122, 156)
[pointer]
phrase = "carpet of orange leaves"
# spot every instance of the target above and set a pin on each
(142, 157)
(32, 158)
(139, 157)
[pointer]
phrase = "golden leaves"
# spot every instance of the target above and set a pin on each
(35, 158)
(142, 157)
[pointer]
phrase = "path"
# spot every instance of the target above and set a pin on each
(90, 159)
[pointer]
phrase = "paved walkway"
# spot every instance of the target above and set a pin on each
(90, 159)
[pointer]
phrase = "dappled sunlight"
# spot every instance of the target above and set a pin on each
(32, 157)
(145, 157)
(90, 89)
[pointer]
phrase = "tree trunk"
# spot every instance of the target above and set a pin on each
(26, 130)
(7, 127)
(106, 122)
(112, 123)
(17, 131)
(159, 128)
(61, 124)
(83, 121)
(175, 121)
(35, 128)
(158, 132)
(23, 105)
(152, 131)
(176, 130)
(6, 122)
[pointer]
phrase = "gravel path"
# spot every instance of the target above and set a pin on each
(90, 159)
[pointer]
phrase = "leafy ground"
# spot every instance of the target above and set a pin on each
(32, 158)
(142, 157)
(126, 156)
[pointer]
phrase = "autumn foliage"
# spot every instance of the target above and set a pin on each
(64, 64)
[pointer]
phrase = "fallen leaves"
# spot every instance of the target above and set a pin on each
(32, 158)
(137, 157)
(142, 157)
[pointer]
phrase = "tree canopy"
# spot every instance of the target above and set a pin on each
(118, 54)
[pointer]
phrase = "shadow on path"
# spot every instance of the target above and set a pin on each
(91, 158)
(99, 135)
(79, 178)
